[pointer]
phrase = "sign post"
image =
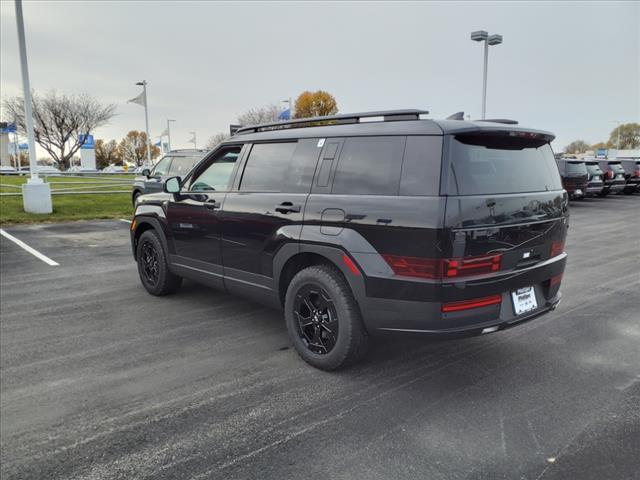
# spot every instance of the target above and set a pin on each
(87, 152)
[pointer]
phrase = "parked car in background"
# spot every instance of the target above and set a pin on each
(574, 177)
(114, 169)
(176, 163)
(632, 175)
(614, 181)
(354, 228)
(78, 169)
(7, 169)
(42, 169)
(595, 185)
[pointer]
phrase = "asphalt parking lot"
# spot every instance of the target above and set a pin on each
(101, 380)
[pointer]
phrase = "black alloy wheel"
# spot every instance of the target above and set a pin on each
(317, 319)
(150, 262)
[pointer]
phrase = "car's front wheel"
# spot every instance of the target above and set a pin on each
(153, 267)
(323, 319)
(134, 197)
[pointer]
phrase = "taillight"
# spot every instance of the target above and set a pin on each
(469, 304)
(555, 280)
(458, 267)
(557, 248)
(610, 174)
(414, 266)
(636, 173)
(442, 268)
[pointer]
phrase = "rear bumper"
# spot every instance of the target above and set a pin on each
(615, 187)
(389, 315)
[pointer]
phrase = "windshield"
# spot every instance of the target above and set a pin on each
(494, 165)
(182, 165)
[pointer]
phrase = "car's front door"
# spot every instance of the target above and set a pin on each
(265, 211)
(158, 175)
(194, 216)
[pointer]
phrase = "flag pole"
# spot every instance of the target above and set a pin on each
(146, 120)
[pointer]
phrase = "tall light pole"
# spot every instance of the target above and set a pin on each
(618, 142)
(36, 194)
(169, 134)
(143, 84)
(489, 40)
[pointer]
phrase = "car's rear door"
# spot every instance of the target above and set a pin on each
(265, 211)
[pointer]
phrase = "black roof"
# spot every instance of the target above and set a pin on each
(391, 122)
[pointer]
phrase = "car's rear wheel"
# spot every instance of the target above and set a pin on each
(323, 319)
(153, 267)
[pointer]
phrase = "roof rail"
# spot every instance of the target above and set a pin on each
(506, 121)
(387, 116)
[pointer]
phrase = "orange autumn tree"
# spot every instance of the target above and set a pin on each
(315, 104)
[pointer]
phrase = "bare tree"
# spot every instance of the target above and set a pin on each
(59, 120)
(107, 153)
(266, 114)
(215, 140)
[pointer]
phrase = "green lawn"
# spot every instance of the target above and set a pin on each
(65, 207)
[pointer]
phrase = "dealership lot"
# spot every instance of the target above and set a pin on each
(101, 380)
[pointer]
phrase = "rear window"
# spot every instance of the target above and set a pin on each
(578, 168)
(182, 165)
(594, 169)
(616, 167)
(482, 164)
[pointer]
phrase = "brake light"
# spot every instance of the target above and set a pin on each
(557, 248)
(458, 267)
(636, 173)
(555, 280)
(610, 174)
(414, 266)
(442, 268)
(469, 304)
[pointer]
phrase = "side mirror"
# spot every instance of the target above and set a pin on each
(172, 185)
(146, 172)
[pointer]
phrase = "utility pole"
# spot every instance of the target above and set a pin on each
(169, 134)
(146, 119)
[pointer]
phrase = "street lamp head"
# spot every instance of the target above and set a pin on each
(494, 40)
(479, 36)
(142, 83)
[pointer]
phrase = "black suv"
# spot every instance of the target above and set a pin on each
(575, 177)
(176, 163)
(367, 223)
(596, 179)
(614, 181)
(632, 174)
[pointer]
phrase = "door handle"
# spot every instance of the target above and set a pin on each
(287, 207)
(211, 205)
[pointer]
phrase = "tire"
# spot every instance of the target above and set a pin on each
(153, 267)
(324, 286)
(134, 197)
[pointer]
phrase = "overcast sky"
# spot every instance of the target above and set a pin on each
(569, 67)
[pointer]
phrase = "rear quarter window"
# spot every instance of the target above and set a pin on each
(369, 166)
(421, 166)
(484, 165)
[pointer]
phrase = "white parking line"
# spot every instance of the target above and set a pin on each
(123, 220)
(29, 249)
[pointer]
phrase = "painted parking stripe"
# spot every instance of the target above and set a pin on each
(29, 249)
(123, 220)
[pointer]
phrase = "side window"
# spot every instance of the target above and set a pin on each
(218, 174)
(267, 167)
(369, 166)
(421, 166)
(162, 167)
(182, 165)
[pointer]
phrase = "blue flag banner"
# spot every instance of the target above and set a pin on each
(23, 146)
(285, 115)
(158, 144)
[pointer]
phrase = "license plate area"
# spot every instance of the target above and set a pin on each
(524, 300)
